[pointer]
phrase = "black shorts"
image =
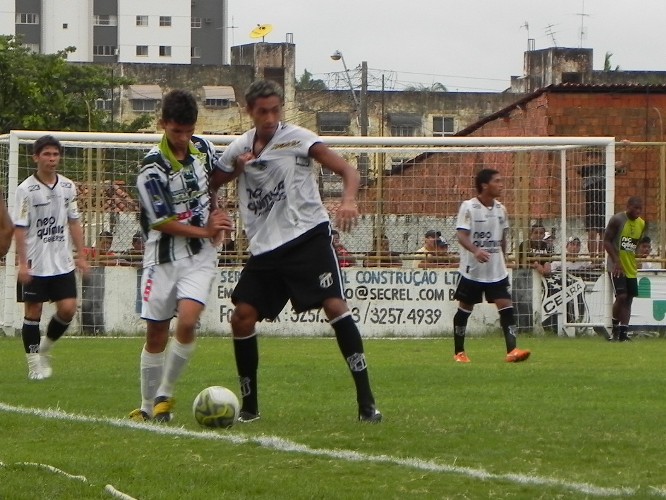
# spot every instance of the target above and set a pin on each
(305, 271)
(623, 285)
(472, 292)
(47, 288)
(595, 209)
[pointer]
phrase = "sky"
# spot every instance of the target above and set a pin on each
(466, 45)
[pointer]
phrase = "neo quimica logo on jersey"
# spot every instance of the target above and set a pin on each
(48, 230)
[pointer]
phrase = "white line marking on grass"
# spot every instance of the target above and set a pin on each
(118, 494)
(281, 444)
(55, 470)
(108, 488)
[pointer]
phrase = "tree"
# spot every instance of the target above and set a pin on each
(305, 82)
(45, 92)
(607, 63)
(435, 87)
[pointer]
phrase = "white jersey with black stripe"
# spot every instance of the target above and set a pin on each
(167, 193)
(487, 227)
(278, 192)
(45, 212)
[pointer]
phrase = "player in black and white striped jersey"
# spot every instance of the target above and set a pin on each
(179, 221)
(289, 233)
(481, 229)
(46, 215)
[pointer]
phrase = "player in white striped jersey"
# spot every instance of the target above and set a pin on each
(45, 216)
(481, 229)
(287, 225)
(179, 261)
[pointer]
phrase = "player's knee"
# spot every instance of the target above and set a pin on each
(243, 320)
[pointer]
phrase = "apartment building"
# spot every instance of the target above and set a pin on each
(124, 31)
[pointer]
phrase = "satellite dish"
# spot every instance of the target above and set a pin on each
(261, 31)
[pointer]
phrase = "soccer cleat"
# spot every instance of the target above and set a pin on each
(369, 414)
(139, 415)
(245, 417)
(517, 355)
(34, 367)
(162, 409)
(461, 357)
(35, 375)
(45, 362)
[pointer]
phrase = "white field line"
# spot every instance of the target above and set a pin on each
(108, 488)
(280, 444)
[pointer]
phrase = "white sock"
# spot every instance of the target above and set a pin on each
(177, 357)
(45, 345)
(33, 362)
(152, 366)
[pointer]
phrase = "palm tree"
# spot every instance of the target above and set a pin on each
(607, 63)
(306, 82)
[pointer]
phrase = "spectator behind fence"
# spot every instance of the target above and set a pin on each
(134, 255)
(534, 252)
(344, 256)
(384, 258)
(574, 260)
(644, 251)
(434, 252)
(101, 254)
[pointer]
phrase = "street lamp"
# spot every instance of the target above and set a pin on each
(337, 56)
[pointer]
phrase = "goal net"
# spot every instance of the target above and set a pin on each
(558, 192)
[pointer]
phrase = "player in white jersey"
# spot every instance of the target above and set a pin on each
(179, 260)
(289, 233)
(481, 229)
(45, 216)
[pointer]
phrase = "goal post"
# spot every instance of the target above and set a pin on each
(411, 185)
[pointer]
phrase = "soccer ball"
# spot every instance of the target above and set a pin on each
(216, 406)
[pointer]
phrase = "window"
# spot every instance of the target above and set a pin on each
(142, 50)
(143, 105)
(165, 50)
(218, 96)
(572, 77)
(443, 126)
(104, 50)
(333, 123)
(195, 23)
(27, 18)
(103, 104)
(165, 20)
(65, 26)
(405, 124)
(195, 52)
(32, 47)
(105, 20)
(142, 20)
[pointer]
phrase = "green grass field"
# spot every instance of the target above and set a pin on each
(582, 418)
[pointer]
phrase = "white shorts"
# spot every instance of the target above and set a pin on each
(163, 285)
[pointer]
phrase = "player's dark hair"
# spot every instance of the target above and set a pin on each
(180, 106)
(263, 88)
(645, 239)
(46, 140)
(484, 176)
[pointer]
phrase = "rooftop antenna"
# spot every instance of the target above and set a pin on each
(551, 34)
(261, 31)
(582, 15)
(526, 25)
(232, 28)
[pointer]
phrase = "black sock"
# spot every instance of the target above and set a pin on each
(246, 352)
(459, 328)
(508, 325)
(30, 335)
(351, 347)
(623, 332)
(56, 328)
